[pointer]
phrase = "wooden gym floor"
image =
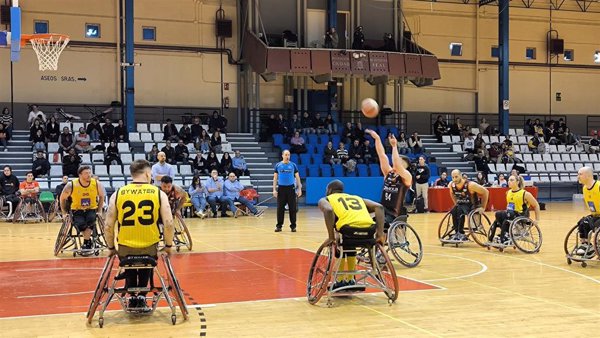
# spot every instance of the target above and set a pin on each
(245, 280)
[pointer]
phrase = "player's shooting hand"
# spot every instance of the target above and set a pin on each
(372, 133)
(393, 141)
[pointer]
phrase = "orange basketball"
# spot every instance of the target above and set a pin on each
(369, 108)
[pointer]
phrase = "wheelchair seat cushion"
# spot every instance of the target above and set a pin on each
(138, 261)
(352, 236)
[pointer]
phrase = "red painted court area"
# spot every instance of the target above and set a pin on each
(66, 285)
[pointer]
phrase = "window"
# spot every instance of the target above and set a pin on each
(569, 55)
(495, 52)
(456, 49)
(530, 53)
(92, 30)
(40, 27)
(597, 56)
(149, 33)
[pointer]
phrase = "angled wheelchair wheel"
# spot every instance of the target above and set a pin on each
(100, 238)
(175, 288)
(405, 244)
(446, 228)
(41, 211)
(479, 227)
(52, 211)
(320, 272)
(572, 241)
(386, 273)
(182, 234)
(101, 288)
(525, 235)
(596, 238)
(17, 213)
(63, 235)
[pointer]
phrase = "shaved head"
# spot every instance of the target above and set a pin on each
(334, 186)
(456, 176)
(585, 176)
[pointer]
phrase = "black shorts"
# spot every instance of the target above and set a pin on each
(84, 219)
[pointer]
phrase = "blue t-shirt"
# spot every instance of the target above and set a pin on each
(286, 173)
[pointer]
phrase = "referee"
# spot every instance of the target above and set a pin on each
(284, 189)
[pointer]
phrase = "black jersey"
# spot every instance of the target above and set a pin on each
(462, 195)
(393, 194)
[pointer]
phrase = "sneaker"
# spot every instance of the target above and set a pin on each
(141, 302)
(496, 239)
(259, 213)
(293, 229)
(583, 249)
(199, 214)
(132, 303)
(237, 213)
(339, 284)
(380, 259)
(225, 215)
(277, 229)
(507, 241)
(355, 287)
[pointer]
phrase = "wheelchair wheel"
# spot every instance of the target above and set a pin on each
(63, 235)
(182, 234)
(525, 235)
(175, 287)
(479, 227)
(100, 288)
(386, 273)
(320, 272)
(17, 212)
(572, 241)
(405, 244)
(41, 210)
(446, 228)
(596, 238)
(100, 239)
(52, 211)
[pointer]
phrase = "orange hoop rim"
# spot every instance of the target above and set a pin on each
(25, 38)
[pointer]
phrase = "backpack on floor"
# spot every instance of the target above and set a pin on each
(420, 205)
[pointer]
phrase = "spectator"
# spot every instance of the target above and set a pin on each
(348, 133)
(162, 168)
(239, 165)
(9, 185)
(479, 142)
(442, 181)
(469, 144)
(342, 153)
(3, 137)
(39, 141)
(294, 125)
(538, 128)
(121, 132)
(70, 163)
(528, 127)
(282, 125)
(481, 162)
(82, 142)
(217, 123)
(231, 189)
(225, 165)
(197, 193)
(457, 127)
(331, 39)
(357, 152)
(37, 125)
(481, 179)
(204, 145)
(370, 153)
(212, 162)
(152, 155)
(359, 38)
(7, 120)
(319, 125)
(52, 130)
(594, 144)
(551, 134)
(182, 154)
(297, 144)
(330, 155)
(330, 124)
(185, 133)
(65, 141)
(484, 127)
(440, 128)
(196, 129)
(501, 181)
(94, 130)
(214, 187)
(41, 166)
(403, 147)
(507, 144)
(215, 142)
(200, 166)
(569, 138)
(108, 131)
(170, 132)
(36, 114)
(534, 144)
(416, 144)
(422, 175)
(389, 45)
(112, 154)
(307, 124)
(169, 152)
(465, 132)
(59, 188)
(495, 152)
(561, 127)
(359, 132)
(272, 126)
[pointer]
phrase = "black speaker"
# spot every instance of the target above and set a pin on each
(224, 29)
(557, 46)
(5, 15)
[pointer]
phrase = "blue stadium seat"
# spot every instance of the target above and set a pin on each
(383, 131)
(317, 158)
(394, 131)
(305, 159)
(433, 169)
(284, 147)
(363, 170)
(325, 170)
(432, 179)
(323, 139)
(320, 149)
(294, 158)
(313, 170)
(310, 148)
(335, 139)
(374, 169)
(312, 139)
(338, 170)
(277, 140)
(368, 137)
(302, 170)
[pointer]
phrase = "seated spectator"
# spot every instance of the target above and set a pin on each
(59, 188)
(41, 166)
(239, 165)
(319, 125)
(359, 132)
(342, 153)
(481, 162)
(39, 141)
(479, 142)
(170, 132)
(569, 138)
(370, 153)
(225, 165)
(200, 166)
(52, 130)
(197, 193)
(9, 185)
(272, 126)
(469, 144)
(484, 127)
(152, 155)
(528, 127)
(215, 142)
(94, 130)
(294, 125)
(214, 188)
(3, 137)
(217, 123)
(185, 133)
(70, 163)
(507, 144)
(538, 128)
(196, 129)
(495, 153)
(108, 131)
(82, 142)
(465, 132)
(231, 191)
(169, 152)
(282, 125)
(501, 181)
(204, 146)
(348, 133)
(121, 132)
(112, 154)
(307, 124)
(561, 127)
(534, 144)
(594, 147)
(162, 168)
(551, 135)
(330, 124)
(7, 120)
(416, 144)
(297, 145)
(357, 152)
(403, 147)
(389, 44)
(442, 181)
(330, 155)
(440, 128)
(457, 127)
(37, 126)
(212, 162)
(182, 153)
(36, 114)
(65, 141)
(481, 179)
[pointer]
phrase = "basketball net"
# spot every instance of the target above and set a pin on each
(48, 48)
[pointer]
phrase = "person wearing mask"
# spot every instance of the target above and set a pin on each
(422, 175)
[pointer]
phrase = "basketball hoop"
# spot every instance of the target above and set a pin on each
(47, 47)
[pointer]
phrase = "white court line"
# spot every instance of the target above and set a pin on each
(482, 270)
(54, 269)
(57, 294)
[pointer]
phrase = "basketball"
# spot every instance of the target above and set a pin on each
(369, 108)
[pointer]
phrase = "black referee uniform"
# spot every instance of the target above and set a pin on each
(284, 183)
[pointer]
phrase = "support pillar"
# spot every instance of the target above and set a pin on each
(130, 68)
(332, 86)
(503, 80)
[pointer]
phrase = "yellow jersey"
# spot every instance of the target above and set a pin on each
(350, 210)
(591, 197)
(138, 211)
(515, 201)
(84, 197)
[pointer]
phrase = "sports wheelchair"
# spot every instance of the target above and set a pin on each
(404, 242)
(572, 244)
(328, 258)
(108, 287)
(69, 238)
(36, 212)
(6, 209)
(524, 235)
(181, 236)
(476, 227)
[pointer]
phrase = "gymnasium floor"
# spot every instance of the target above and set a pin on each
(245, 280)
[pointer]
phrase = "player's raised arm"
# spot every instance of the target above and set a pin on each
(384, 162)
(399, 164)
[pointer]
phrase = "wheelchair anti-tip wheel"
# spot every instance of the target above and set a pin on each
(405, 244)
(320, 272)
